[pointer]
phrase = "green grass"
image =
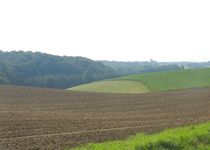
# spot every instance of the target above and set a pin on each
(182, 79)
(194, 137)
(159, 81)
(113, 87)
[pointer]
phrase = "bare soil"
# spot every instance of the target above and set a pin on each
(37, 118)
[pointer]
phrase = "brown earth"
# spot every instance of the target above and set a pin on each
(35, 118)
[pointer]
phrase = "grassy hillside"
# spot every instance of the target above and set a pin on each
(185, 138)
(182, 79)
(122, 86)
(158, 81)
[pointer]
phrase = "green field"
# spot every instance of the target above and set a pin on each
(159, 81)
(194, 137)
(118, 86)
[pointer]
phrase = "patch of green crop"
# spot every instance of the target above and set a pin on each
(194, 137)
(113, 87)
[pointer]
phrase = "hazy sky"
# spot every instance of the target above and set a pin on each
(164, 30)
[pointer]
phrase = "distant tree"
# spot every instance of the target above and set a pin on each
(3, 80)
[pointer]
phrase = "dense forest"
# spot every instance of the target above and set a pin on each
(45, 70)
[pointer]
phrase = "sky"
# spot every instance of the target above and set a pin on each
(123, 30)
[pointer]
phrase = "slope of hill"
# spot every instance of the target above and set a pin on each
(158, 81)
(182, 79)
(44, 70)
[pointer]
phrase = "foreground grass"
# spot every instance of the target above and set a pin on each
(195, 137)
(121, 86)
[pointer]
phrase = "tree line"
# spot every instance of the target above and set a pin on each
(44, 70)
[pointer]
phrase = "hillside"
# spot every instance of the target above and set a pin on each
(157, 81)
(44, 70)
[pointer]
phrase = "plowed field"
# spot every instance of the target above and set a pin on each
(34, 118)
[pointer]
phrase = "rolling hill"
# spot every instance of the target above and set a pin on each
(45, 70)
(158, 81)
